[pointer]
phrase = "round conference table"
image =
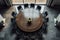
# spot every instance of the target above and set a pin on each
(29, 20)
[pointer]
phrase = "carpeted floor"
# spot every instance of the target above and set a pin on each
(52, 32)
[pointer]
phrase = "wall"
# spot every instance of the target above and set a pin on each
(48, 2)
(5, 3)
(54, 2)
(2, 2)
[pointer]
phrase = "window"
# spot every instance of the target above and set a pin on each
(17, 1)
(29, 1)
(40, 1)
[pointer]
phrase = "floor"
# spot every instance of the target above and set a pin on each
(52, 32)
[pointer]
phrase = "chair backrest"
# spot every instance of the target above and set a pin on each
(39, 7)
(32, 5)
(19, 7)
(25, 5)
(13, 14)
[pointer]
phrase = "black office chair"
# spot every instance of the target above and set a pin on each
(38, 7)
(46, 19)
(46, 13)
(44, 28)
(25, 5)
(32, 5)
(1, 25)
(13, 20)
(13, 14)
(19, 7)
(58, 25)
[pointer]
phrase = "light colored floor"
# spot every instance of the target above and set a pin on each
(29, 1)
(7, 16)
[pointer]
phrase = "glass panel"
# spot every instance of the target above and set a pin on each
(40, 1)
(17, 1)
(29, 1)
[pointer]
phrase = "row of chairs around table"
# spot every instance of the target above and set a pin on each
(45, 14)
(31, 6)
